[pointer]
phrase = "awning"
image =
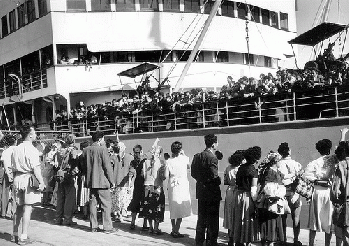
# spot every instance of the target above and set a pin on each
(139, 70)
(318, 34)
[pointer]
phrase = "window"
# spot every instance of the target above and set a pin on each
(12, 17)
(248, 59)
(47, 56)
(76, 5)
(124, 56)
(21, 15)
(42, 8)
(200, 56)
(265, 17)
(274, 19)
(122, 5)
(4, 27)
(208, 7)
(147, 56)
(166, 56)
(171, 5)
(149, 5)
(255, 14)
(183, 55)
(267, 61)
(222, 56)
(228, 8)
(30, 11)
(284, 21)
(100, 5)
(242, 10)
(192, 6)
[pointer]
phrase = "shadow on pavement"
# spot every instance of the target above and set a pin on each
(6, 236)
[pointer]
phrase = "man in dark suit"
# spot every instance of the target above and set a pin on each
(204, 170)
(99, 178)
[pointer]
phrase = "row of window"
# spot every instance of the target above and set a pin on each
(26, 13)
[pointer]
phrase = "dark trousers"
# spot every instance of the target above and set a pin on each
(66, 202)
(208, 222)
(103, 197)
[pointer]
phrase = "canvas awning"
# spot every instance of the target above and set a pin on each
(139, 70)
(318, 34)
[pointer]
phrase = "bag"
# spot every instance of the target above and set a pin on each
(195, 165)
(303, 187)
(33, 182)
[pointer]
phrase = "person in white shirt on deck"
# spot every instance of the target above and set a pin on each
(289, 169)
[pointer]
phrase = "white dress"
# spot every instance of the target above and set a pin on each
(178, 187)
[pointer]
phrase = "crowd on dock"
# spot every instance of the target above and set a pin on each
(103, 176)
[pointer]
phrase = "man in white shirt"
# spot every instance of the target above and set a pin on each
(289, 169)
(25, 162)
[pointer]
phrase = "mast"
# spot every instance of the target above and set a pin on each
(198, 43)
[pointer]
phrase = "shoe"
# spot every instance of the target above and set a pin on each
(58, 222)
(96, 229)
(70, 223)
(132, 227)
(157, 232)
(297, 243)
(145, 228)
(14, 239)
(111, 231)
(176, 235)
(25, 241)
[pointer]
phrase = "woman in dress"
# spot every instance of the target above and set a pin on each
(235, 160)
(272, 193)
(178, 187)
(245, 227)
(320, 171)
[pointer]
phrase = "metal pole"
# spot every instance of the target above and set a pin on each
(294, 106)
(198, 43)
(227, 112)
(259, 109)
(336, 101)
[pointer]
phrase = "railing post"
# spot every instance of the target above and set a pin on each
(175, 121)
(259, 109)
(152, 122)
(203, 116)
(336, 101)
(227, 111)
(294, 106)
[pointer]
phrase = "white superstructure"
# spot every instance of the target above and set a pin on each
(52, 48)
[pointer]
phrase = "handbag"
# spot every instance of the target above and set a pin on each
(33, 182)
(303, 187)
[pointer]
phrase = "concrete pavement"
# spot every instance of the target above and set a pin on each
(44, 232)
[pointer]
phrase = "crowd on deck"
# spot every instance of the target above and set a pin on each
(104, 176)
(286, 81)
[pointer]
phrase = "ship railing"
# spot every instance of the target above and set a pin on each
(327, 103)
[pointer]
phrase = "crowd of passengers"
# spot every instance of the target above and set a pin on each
(286, 81)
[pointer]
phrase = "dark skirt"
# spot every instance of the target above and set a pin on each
(270, 226)
(137, 197)
(153, 205)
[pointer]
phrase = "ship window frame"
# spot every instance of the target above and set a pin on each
(254, 13)
(249, 59)
(221, 56)
(265, 13)
(43, 10)
(274, 19)
(189, 6)
(21, 16)
(208, 7)
(268, 62)
(226, 6)
(12, 21)
(284, 21)
(4, 26)
(30, 11)
(125, 5)
(149, 5)
(76, 7)
(242, 10)
(101, 7)
(171, 6)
